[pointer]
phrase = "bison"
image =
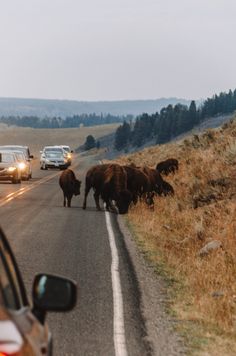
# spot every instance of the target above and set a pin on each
(157, 183)
(137, 182)
(169, 166)
(70, 186)
(109, 182)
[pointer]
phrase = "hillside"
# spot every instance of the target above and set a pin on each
(36, 139)
(175, 236)
(64, 108)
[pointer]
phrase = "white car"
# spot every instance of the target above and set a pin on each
(69, 152)
(53, 157)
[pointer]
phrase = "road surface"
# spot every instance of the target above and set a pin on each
(46, 237)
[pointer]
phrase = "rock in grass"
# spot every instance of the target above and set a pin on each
(211, 246)
(217, 294)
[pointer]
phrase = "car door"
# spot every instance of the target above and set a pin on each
(35, 335)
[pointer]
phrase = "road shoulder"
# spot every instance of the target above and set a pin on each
(153, 293)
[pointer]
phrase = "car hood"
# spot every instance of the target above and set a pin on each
(6, 165)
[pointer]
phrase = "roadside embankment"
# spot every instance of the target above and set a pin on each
(190, 238)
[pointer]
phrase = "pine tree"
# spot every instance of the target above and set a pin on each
(89, 143)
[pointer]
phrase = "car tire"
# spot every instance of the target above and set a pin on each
(44, 167)
(16, 180)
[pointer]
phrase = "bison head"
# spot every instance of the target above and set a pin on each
(77, 184)
(123, 201)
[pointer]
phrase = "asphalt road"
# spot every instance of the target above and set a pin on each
(46, 237)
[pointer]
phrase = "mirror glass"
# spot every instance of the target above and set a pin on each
(54, 293)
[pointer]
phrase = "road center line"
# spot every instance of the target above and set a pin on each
(118, 321)
(25, 189)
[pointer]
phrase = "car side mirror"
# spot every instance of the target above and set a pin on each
(53, 293)
(31, 156)
(71, 151)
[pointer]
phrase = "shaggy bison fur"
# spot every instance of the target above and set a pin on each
(109, 181)
(69, 185)
(169, 166)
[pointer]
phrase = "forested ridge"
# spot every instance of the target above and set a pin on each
(58, 122)
(172, 121)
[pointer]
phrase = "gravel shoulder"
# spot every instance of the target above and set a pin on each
(159, 325)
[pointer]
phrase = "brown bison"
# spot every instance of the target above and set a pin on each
(109, 182)
(157, 183)
(137, 182)
(169, 166)
(70, 186)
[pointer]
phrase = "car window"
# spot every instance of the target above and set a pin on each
(20, 156)
(8, 293)
(9, 281)
(6, 158)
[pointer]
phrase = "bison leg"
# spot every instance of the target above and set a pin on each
(96, 198)
(64, 201)
(69, 197)
(87, 189)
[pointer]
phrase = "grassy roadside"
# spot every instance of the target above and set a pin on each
(202, 288)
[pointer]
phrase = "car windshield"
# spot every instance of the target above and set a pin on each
(51, 154)
(6, 157)
(15, 148)
(20, 156)
(56, 150)
(67, 149)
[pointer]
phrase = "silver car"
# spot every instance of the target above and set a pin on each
(68, 152)
(53, 157)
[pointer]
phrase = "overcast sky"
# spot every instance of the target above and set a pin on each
(117, 49)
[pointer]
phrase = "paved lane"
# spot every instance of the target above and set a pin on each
(49, 238)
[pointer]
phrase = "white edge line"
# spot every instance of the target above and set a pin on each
(118, 321)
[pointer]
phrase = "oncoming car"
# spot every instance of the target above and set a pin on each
(23, 330)
(27, 169)
(9, 167)
(24, 165)
(24, 149)
(53, 157)
(68, 152)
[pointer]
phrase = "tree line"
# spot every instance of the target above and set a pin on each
(58, 122)
(172, 121)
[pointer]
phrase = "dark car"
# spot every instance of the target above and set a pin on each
(25, 151)
(9, 167)
(23, 330)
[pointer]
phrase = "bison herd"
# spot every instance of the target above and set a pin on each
(120, 185)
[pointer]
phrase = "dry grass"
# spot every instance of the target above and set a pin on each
(203, 209)
(37, 138)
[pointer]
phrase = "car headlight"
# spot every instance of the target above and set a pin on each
(68, 155)
(22, 165)
(11, 169)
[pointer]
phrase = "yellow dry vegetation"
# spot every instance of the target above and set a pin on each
(36, 139)
(202, 210)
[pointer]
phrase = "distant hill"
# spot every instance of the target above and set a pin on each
(64, 108)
